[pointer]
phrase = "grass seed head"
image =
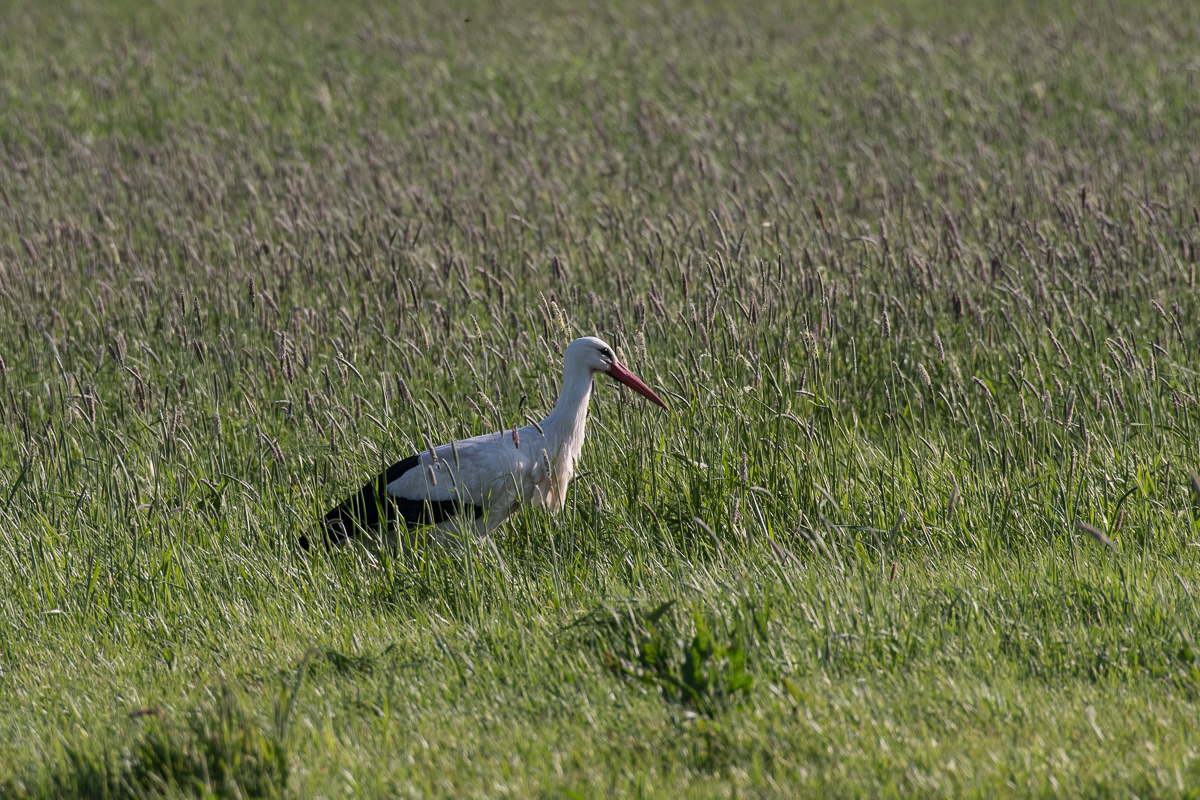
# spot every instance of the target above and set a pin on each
(118, 348)
(487, 403)
(1097, 535)
(89, 401)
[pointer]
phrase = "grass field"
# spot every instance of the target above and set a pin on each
(919, 283)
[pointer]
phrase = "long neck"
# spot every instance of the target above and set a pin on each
(565, 424)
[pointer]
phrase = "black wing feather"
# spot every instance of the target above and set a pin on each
(373, 509)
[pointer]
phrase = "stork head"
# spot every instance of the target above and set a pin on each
(597, 356)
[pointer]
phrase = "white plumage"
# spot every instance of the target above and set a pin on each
(478, 483)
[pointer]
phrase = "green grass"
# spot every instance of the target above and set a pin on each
(919, 283)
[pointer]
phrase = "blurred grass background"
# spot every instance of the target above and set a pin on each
(918, 280)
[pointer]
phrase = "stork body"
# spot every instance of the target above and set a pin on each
(476, 484)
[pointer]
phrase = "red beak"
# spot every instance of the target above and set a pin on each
(626, 377)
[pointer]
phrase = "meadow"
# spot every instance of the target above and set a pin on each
(918, 280)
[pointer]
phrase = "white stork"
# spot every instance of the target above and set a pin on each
(487, 477)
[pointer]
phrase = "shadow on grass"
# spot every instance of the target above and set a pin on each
(217, 750)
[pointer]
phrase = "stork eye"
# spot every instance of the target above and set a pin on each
(604, 351)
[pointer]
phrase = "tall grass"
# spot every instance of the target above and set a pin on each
(919, 284)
